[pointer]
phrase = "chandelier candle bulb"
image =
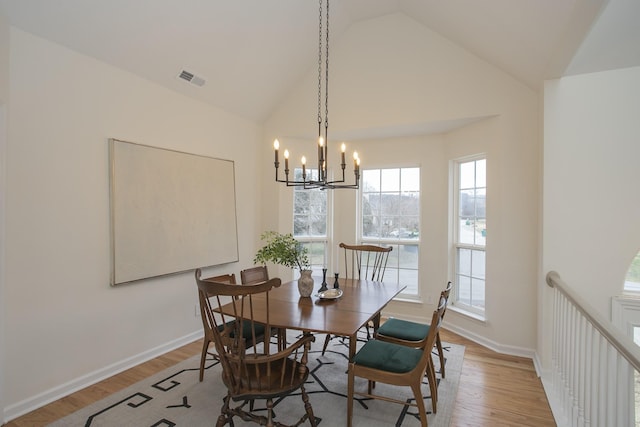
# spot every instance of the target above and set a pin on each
(276, 146)
(304, 167)
(286, 162)
(343, 148)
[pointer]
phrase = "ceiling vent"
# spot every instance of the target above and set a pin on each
(191, 78)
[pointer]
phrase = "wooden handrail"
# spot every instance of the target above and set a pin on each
(621, 342)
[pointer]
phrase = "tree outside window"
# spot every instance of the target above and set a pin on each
(390, 216)
(310, 221)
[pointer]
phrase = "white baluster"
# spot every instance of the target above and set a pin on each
(602, 381)
(624, 381)
(611, 386)
(582, 354)
(572, 365)
(590, 367)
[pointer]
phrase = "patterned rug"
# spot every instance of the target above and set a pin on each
(175, 397)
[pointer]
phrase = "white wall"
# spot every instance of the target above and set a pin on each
(4, 99)
(392, 72)
(4, 60)
(66, 325)
(591, 175)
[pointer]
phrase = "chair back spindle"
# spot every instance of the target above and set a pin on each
(254, 275)
(365, 262)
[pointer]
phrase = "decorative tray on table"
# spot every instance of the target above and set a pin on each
(330, 294)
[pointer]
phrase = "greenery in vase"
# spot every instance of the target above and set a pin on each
(282, 249)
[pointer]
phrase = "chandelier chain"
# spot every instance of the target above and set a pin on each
(326, 87)
(320, 67)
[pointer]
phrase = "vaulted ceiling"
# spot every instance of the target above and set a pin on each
(250, 52)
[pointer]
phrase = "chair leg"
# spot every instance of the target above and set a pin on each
(350, 381)
(326, 343)
(440, 354)
(417, 393)
(307, 406)
(223, 418)
(269, 412)
(433, 385)
(282, 339)
(203, 357)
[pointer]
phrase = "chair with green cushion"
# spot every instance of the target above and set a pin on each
(229, 279)
(395, 364)
(411, 333)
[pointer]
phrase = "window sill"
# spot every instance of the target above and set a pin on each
(408, 299)
(466, 313)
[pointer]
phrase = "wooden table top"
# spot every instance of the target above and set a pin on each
(360, 302)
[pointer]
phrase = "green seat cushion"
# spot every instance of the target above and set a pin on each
(403, 329)
(388, 357)
(246, 329)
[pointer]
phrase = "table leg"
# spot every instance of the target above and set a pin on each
(353, 342)
(282, 339)
(376, 325)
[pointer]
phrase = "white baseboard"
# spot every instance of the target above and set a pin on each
(559, 414)
(492, 345)
(538, 365)
(14, 411)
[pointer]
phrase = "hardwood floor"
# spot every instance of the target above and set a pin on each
(495, 390)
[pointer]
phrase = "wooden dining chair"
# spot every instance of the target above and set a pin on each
(208, 333)
(414, 334)
(397, 365)
(252, 372)
(363, 262)
(254, 275)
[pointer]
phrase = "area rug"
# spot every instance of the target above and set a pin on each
(175, 397)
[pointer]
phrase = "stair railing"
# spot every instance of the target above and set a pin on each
(594, 366)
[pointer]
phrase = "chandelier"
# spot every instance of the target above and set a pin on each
(322, 180)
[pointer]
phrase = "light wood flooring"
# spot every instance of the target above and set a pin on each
(495, 390)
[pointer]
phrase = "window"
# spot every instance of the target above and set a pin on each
(632, 279)
(626, 315)
(310, 221)
(470, 233)
(390, 215)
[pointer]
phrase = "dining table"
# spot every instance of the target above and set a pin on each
(360, 302)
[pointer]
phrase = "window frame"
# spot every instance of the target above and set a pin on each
(456, 245)
(632, 282)
(388, 241)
